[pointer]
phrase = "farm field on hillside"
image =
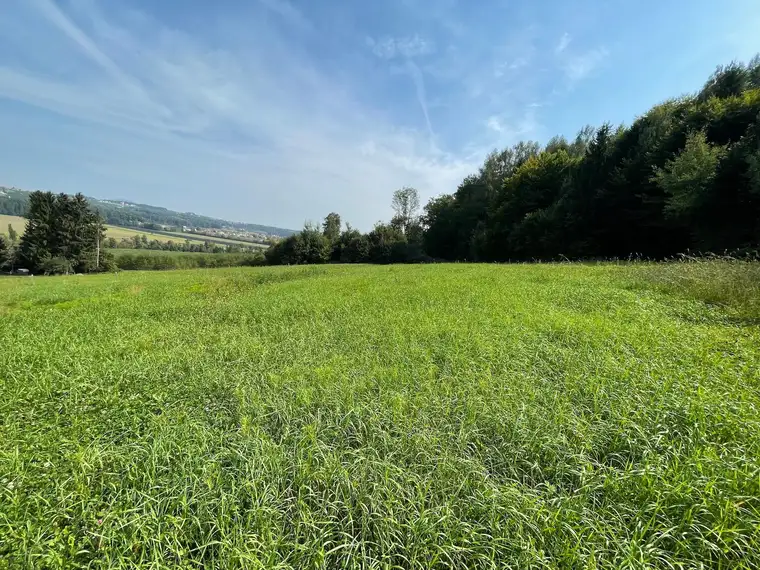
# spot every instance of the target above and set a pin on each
(116, 232)
(439, 416)
(17, 222)
(119, 232)
(213, 239)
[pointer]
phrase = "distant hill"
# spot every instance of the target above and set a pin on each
(123, 213)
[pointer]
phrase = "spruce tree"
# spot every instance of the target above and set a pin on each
(38, 239)
(61, 228)
(4, 252)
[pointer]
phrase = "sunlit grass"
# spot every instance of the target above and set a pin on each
(732, 284)
(549, 416)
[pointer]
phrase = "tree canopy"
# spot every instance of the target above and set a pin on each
(684, 176)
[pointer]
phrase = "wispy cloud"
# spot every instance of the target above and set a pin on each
(287, 11)
(270, 121)
(513, 129)
(494, 124)
(577, 67)
(237, 115)
(406, 47)
(419, 84)
(564, 41)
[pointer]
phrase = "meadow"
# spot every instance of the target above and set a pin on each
(437, 416)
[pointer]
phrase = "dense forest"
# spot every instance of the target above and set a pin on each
(685, 176)
(14, 202)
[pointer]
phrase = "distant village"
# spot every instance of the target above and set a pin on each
(231, 233)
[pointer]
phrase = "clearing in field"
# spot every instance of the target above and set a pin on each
(549, 416)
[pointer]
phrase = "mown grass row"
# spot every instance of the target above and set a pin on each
(551, 416)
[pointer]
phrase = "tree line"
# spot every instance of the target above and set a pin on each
(164, 260)
(141, 241)
(400, 241)
(684, 176)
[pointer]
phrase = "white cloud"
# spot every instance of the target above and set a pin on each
(264, 128)
(579, 67)
(406, 47)
(511, 129)
(419, 83)
(245, 121)
(494, 124)
(563, 43)
(287, 11)
(503, 68)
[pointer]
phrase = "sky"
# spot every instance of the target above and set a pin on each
(281, 111)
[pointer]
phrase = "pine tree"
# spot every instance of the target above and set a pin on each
(61, 228)
(38, 239)
(4, 252)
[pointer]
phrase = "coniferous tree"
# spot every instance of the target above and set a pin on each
(63, 234)
(5, 251)
(37, 243)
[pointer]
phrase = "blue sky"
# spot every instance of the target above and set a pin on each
(280, 111)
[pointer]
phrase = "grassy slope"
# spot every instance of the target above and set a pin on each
(422, 416)
(17, 222)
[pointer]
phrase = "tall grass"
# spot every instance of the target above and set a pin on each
(729, 283)
(456, 416)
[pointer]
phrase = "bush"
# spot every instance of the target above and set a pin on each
(56, 266)
(166, 261)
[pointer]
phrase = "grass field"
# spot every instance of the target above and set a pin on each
(451, 416)
(17, 222)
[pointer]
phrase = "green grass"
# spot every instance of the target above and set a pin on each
(466, 416)
(732, 284)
